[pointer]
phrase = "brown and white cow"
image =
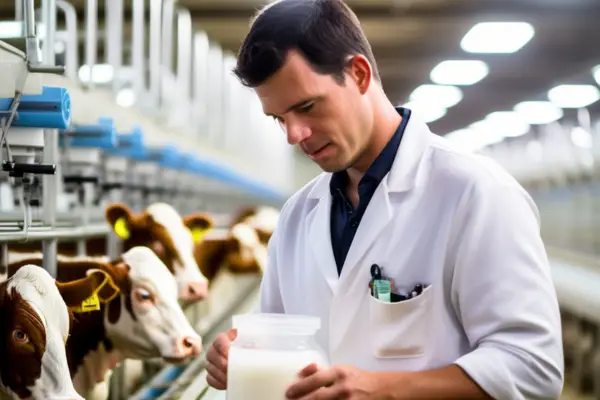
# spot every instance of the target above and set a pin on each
(34, 329)
(144, 319)
(241, 249)
(159, 227)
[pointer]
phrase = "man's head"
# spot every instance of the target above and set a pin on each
(312, 68)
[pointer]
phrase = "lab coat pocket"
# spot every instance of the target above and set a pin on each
(400, 330)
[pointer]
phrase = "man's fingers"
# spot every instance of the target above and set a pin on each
(214, 383)
(232, 334)
(222, 344)
(310, 384)
(308, 370)
(217, 374)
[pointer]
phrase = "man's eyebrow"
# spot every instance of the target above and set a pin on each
(299, 104)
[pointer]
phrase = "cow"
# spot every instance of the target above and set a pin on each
(140, 318)
(243, 248)
(34, 329)
(160, 228)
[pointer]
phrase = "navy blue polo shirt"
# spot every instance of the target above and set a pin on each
(344, 218)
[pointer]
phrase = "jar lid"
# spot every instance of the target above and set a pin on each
(278, 324)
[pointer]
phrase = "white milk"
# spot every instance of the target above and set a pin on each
(257, 374)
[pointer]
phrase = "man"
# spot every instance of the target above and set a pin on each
(473, 313)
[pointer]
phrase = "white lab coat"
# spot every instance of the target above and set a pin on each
(441, 217)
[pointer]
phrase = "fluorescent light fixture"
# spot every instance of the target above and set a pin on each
(427, 112)
(487, 132)
(507, 123)
(581, 138)
(497, 37)
(125, 98)
(459, 72)
(538, 112)
(472, 138)
(103, 73)
(573, 96)
(438, 95)
(596, 73)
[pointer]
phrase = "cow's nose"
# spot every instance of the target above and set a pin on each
(188, 346)
(194, 291)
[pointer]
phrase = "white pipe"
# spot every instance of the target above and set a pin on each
(91, 26)
(155, 50)
(113, 30)
(49, 18)
(137, 48)
(71, 24)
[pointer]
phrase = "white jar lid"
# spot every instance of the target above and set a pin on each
(278, 324)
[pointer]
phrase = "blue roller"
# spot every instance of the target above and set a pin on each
(51, 109)
(102, 135)
(135, 139)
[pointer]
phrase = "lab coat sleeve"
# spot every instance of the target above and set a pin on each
(270, 295)
(503, 294)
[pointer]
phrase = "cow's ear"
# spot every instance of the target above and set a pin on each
(86, 294)
(120, 219)
(198, 224)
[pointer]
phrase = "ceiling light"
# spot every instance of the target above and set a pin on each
(427, 112)
(507, 123)
(102, 73)
(459, 72)
(538, 112)
(125, 98)
(487, 132)
(438, 95)
(596, 72)
(472, 138)
(497, 37)
(581, 138)
(573, 96)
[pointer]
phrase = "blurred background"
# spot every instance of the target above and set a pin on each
(517, 80)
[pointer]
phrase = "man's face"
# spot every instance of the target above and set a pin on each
(328, 121)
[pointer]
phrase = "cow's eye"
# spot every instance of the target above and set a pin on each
(143, 295)
(20, 336)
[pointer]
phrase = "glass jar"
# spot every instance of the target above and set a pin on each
(269, 352)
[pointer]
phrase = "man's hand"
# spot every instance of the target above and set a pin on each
(338, 382)
(217, 357)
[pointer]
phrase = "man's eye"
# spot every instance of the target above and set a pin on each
(307, 107)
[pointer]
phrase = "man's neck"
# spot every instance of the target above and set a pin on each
(385, 124)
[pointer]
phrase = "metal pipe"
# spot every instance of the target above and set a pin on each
(114, 38)
(167, 34)
(184, 60)
(18, 10)
(91, 26)
(36, 234)
(71, 25)
(137, 48)
(155, 50)
(50, 193)
(49, 18)
(200, 81)
(32, 47)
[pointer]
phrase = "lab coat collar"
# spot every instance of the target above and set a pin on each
(403, 174)
(402, 177)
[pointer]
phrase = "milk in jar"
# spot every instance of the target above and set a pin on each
(268, 353)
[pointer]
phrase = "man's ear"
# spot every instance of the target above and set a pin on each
(198, 224)
(120, 219)
(97, 283)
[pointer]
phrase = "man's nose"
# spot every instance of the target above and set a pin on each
(296, 131)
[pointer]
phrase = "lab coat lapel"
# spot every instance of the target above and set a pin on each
(319, 235)
(376, 217)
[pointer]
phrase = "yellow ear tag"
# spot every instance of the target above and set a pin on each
(198, 234)
(92, 303)
(120, 228)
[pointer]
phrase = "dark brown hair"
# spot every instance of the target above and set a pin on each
(325, 32)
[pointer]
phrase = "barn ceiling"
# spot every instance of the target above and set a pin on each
(410, 37)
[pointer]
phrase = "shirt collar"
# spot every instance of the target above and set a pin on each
(382, 164)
